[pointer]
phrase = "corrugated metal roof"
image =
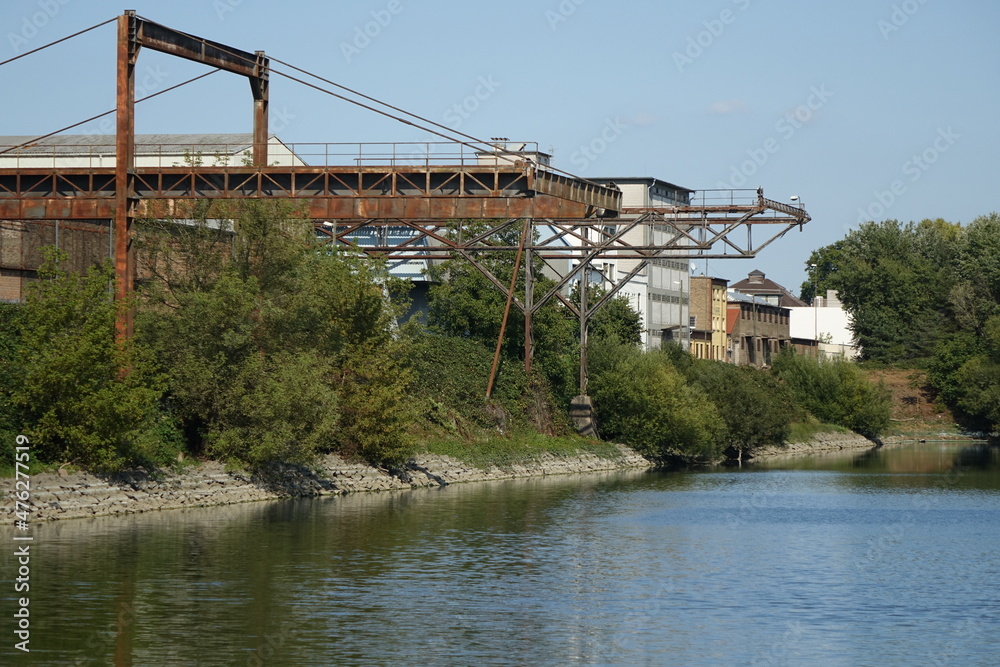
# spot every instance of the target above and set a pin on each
(740, 297)
(647, 180)
(145, 144)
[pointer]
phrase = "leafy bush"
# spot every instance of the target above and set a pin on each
(86, 398)
(451, 375)
(836, 391)
(377, 407)
(643, 401)
(756, 408)
(279, 407)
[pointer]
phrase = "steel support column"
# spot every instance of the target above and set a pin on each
(125, 169)
(529, 299)
(259, 84)
(584, 321)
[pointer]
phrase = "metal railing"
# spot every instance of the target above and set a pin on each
(415, 154)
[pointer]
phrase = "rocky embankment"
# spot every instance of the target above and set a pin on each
(75, 495)
(824, 442)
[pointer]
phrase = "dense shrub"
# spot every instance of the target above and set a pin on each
(643, 401)
(86, 398)
(451, 375)
(377, 407)
(756, 408)
(836, 391)
(11, 419)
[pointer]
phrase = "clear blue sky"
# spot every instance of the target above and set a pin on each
(874, 108)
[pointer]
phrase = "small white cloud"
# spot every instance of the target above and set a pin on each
(729, 106)
(643, 118)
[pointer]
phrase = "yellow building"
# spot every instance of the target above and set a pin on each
(708, 317)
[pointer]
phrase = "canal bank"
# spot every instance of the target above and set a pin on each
(73, 495)
(65, 495)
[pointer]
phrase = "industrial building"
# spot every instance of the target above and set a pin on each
(660, 293)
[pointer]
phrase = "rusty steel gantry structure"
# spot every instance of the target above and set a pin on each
(582, 220)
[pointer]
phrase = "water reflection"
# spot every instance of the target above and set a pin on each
(887, 556)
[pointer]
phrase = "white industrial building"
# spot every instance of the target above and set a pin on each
(660, 293)
(151, 150)
(827, 322)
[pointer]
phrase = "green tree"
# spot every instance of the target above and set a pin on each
(976, 295)
(464, 303)
(641, 400)
(755, 407)
(895, 280)
(276, 348)
(615, 319)
(86, 398)
(835, 391)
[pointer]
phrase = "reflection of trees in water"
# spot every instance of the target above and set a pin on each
(982, 456)
(867, 458)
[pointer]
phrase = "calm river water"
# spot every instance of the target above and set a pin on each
(888, 558)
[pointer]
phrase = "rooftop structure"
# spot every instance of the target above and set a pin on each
(757, 284)
(151, 150)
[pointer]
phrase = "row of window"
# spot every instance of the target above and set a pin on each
(670, 264)
(765, 316)
(668, 298)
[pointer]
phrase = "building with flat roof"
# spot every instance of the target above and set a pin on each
(708, 318)
(660, 293)
(827, 324)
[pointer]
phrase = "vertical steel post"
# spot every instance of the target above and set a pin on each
(506, 311)
(259, 85)
(584, 320)
(124, 169)
(529, 299)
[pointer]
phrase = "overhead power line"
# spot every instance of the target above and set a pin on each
(422, 123)
(75, 34)
(449, 134)
(106, 113)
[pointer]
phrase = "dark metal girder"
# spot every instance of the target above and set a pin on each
(176, 43)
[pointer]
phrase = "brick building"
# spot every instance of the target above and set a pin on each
(708, 318)
(756, 329)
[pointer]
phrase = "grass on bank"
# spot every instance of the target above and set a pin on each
(806, 431)
(504, 451)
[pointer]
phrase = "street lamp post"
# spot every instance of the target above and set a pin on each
(812, 270)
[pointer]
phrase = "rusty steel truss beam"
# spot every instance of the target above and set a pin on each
(327, 192)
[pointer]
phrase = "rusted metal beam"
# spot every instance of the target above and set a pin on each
(167, 40)
(259, 84)
(506, 310)
(124, 164)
